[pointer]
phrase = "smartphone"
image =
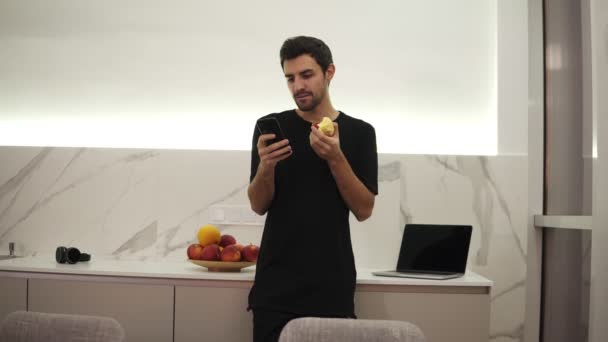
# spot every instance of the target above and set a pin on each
(270, 126)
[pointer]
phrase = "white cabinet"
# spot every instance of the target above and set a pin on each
(188, 310)
(13, 295)
(144, 311)
(449, 314)
(212, 313)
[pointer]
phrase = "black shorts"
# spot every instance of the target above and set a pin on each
(267, 325)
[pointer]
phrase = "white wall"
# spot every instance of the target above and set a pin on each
(512, 77)
(424, 73)
(148, 205)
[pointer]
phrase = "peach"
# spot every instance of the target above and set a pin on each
(195, 251)
(239, 247)
(250, 253)
(211, 253)
(230, 253)
(227, 240)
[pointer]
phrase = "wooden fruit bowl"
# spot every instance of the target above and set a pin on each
(222, 266)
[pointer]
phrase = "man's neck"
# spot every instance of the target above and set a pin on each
(317, 114)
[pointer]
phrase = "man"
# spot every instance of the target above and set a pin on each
(307, 184)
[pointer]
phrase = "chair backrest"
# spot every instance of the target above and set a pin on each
(311, 329)
(28, 326)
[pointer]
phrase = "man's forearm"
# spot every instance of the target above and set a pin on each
(357, 196)
(261, 191)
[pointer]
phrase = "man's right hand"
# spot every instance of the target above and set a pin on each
(261, 189)
(272, 154)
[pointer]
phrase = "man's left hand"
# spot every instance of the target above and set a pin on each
(327, 148)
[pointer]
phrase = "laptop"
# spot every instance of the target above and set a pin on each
(432, 251)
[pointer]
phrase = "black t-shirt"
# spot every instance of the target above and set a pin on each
(306, 264)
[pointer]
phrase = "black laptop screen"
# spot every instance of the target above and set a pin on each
(436, 248)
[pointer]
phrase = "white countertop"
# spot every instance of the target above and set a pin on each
(188, 271)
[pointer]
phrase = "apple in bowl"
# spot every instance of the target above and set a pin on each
(195, 251)
(250, 253)
(230, 253)
(227, 240)
(211, 253)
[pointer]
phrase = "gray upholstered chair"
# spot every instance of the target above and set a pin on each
(310, 329)
(27, 326)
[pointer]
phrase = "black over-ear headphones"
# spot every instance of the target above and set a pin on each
(70, 255)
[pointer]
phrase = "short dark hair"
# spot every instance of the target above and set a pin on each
(296, 46)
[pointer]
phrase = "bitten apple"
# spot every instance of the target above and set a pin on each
(211, 253)
(327, 126)
(250, 253)
(227, 240)
(195, 251)
(230, 253)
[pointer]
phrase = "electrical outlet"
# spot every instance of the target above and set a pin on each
(217, 214)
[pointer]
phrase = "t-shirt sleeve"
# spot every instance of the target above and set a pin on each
(365, 164)
(255, 157)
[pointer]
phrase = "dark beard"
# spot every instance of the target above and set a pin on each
(310, 106)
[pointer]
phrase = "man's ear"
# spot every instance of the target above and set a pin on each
(329, 73)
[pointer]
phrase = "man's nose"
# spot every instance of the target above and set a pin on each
(298, 84)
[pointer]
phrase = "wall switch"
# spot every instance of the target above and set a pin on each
(235, 214)
(217, 214)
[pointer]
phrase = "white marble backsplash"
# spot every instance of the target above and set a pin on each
(148, 205)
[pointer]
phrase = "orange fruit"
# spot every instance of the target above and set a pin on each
(208, 235)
